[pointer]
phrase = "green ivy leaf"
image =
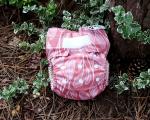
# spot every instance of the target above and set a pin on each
(18, 86)
(128, 18)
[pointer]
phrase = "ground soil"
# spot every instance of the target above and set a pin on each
(15, 63)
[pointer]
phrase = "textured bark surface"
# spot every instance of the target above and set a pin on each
(146, 21)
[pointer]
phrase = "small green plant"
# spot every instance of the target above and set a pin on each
(89, 14)
(140, 82)
(36, 47)
(45, 14)
(18, 3)
(44, 62)
(40, 82)
(106, 6)
(17, 87)
(29, 28)
(122, 84)
(127, 27)
(39, 45)
(143, 81)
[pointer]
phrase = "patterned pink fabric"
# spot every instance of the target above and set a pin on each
(78, 73)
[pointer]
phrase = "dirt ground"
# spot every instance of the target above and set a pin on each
(15, 63)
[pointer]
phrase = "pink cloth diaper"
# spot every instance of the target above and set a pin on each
(78, 62)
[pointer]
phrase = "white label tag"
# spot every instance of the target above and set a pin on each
(96, 27)
(76, 42)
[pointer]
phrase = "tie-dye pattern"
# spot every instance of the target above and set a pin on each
(78, 73)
